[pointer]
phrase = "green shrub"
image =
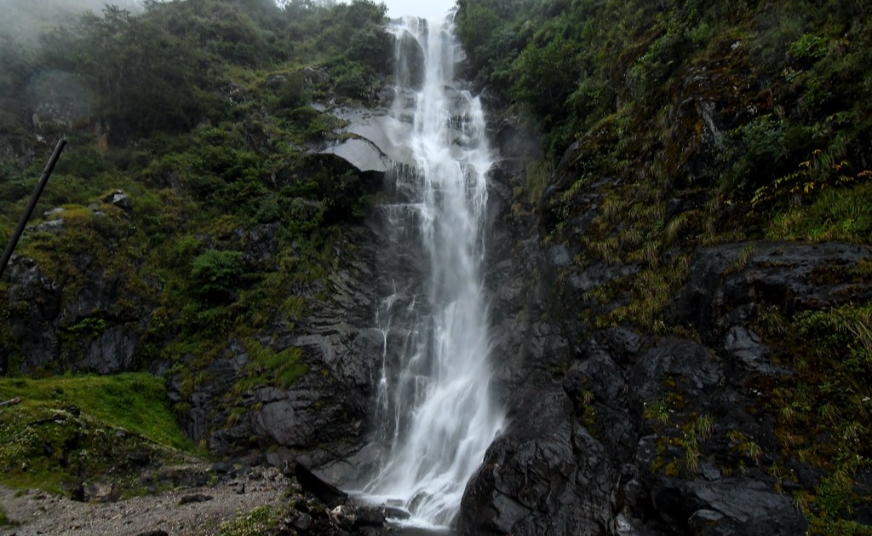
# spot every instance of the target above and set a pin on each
(216, 274)
(292, 94)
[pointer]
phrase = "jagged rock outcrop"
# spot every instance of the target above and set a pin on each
(547, 476)
(323, 416)
(614, 431)
(102, 331)
(586, 456)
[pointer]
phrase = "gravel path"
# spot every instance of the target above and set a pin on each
(50, 515)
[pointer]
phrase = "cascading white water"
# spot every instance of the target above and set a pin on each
(435, 413)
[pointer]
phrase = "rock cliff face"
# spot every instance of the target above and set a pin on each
(42, 316)
(324, 415)
(617, 431)
(321, 415)
(612, 431)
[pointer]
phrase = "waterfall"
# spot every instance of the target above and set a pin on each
(434, 412)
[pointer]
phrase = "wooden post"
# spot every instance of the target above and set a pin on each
(40, 186)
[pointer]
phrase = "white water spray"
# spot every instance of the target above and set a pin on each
(435, 413)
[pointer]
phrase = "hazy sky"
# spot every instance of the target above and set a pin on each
(420, 8)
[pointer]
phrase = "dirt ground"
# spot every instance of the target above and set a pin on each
(39, 513)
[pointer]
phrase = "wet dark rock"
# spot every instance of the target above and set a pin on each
(194, 498)
(139, 458)
(599, 274)
(734, 506)
(303, 522)
(558, 256)
(106, 328)
(34, 329)
(694, 369)
(368, 516)
(221, 468)
(545, 475)
(154, 533)
(748, 353)
(728, 282)
(277, 420)
(113, 351)
(120, 200)
(710, 471)
(324, 491)
(597, 382)
(391, 512)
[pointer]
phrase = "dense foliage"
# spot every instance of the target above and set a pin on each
(203, 117)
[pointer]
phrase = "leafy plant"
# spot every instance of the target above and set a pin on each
(216, 274)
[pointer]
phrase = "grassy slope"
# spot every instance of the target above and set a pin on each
(70, 429)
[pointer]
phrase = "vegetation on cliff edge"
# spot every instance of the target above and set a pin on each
(191, 210)
(669, 126)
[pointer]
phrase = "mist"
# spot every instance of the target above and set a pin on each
(430, 9)
(25, 20)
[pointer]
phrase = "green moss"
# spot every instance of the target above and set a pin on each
(135, 402)
(69, 429)
(269, 367)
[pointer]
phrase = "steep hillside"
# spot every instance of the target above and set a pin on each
(697, 217)
(196, 228)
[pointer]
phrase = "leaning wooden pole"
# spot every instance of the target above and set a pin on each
(40, 186)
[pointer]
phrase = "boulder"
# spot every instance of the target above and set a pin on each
(726, 507)
(323, 490)
(545, 475)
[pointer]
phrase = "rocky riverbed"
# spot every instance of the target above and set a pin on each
(187, 511)
(233, 501)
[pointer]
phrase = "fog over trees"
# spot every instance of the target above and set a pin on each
(24, 20)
